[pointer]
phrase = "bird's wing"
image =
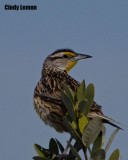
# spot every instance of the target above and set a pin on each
(49, 97)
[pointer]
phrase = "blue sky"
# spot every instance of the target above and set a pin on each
(98, 28)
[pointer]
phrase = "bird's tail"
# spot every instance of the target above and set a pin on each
(105, 119)
(112, 124)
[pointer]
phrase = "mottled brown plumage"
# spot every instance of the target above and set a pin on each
(47, 98)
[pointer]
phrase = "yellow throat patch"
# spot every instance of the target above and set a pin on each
(70, 65)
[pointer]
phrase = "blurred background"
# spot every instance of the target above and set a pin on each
(98, 28)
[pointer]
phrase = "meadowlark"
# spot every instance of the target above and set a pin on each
(47, 94)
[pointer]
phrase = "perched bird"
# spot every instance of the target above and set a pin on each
(47, 94)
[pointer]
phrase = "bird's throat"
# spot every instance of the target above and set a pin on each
(70, 65)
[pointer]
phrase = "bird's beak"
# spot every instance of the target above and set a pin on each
(81, 56)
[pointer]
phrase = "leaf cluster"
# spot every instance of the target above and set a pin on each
(88, 134)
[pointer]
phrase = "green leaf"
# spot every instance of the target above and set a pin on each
(97, 143)
(53, 147)
(41, 151)
(81, 92)
(40, 158)
(89, 94)
(99, 140)
(84, 107)
(68, 104)
(98, 155)
(70, 129)
(74, 151)
(69, 92)
(74, 125)
(91, 131)
(103, 133)
(82, 122)
(60, 146)
(111, 139)
(115, 155)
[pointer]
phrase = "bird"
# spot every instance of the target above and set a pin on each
(47, 94)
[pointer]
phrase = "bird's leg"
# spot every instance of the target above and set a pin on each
(86, 157)
(66, 149)
(85, 153)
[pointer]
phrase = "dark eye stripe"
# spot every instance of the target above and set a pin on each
(54, 58)
(65, 56)
(57, 57)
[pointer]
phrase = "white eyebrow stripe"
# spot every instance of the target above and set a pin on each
(58, 54)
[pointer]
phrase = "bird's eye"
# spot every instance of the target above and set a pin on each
(65, 56)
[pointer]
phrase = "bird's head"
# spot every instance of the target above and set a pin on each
(64, 59)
